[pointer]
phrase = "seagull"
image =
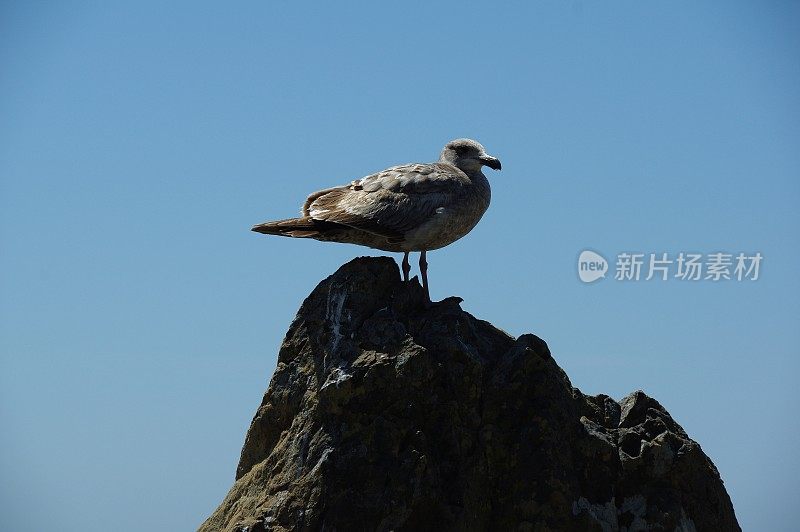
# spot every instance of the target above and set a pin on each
(407, 208)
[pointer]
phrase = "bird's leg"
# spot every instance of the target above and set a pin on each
(423, 270)
(406, 266)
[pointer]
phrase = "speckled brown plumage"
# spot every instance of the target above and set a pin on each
(412, 207)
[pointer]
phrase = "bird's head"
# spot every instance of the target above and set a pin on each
(468, 156)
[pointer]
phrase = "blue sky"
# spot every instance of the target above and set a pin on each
(140, 318)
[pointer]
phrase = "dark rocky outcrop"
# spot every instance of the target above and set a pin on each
(386, 415)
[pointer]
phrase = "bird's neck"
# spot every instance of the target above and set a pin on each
(475, 175)
(480, 183)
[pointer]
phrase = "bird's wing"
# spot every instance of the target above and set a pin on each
(389, 203)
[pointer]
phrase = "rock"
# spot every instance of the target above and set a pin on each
(383, 414)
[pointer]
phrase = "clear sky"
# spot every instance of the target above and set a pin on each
(139, 141)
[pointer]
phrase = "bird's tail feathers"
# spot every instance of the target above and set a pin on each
(305, 227)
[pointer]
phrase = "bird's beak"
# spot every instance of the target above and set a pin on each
(491, 162)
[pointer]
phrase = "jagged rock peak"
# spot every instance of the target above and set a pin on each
(386, 414)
